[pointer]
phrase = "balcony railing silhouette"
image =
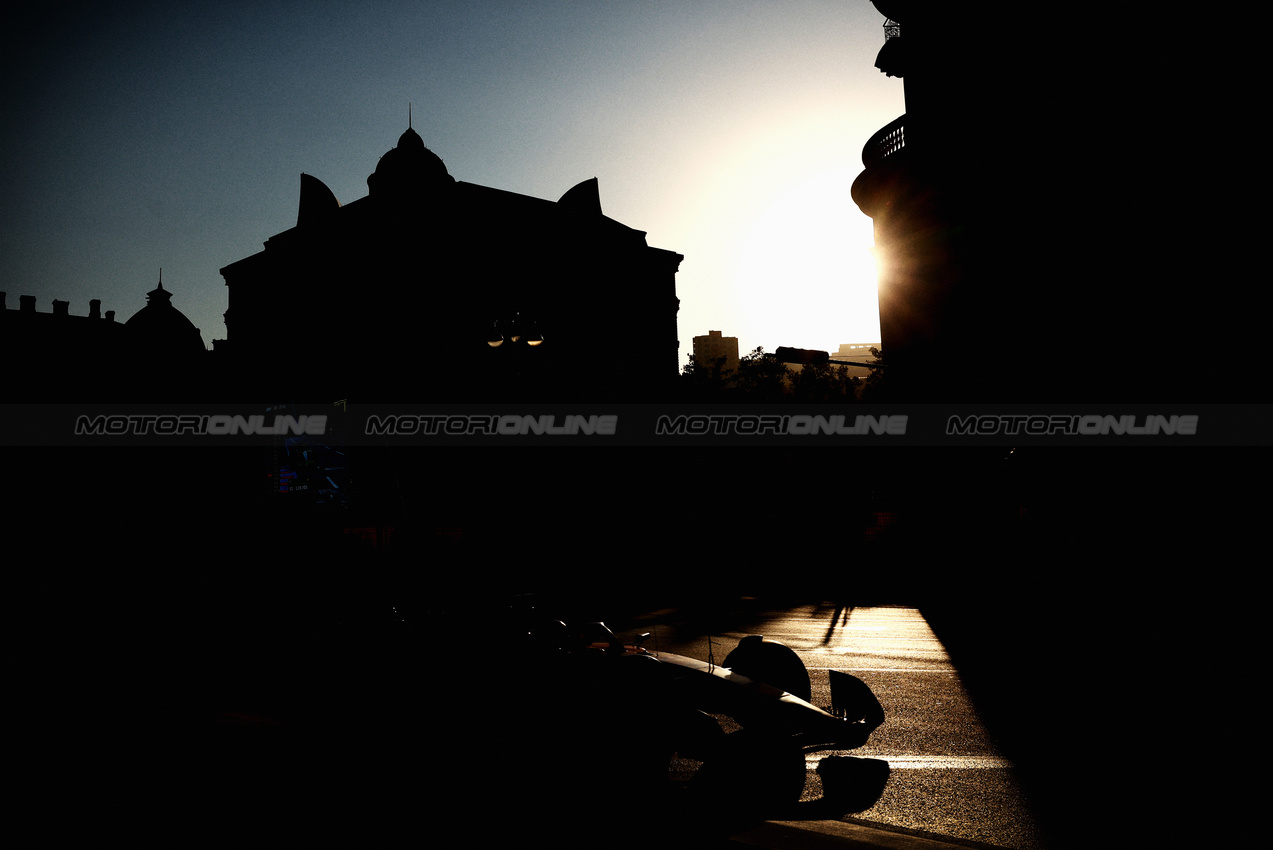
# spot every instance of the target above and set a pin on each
(887, 141)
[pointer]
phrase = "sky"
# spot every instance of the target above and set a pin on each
(145, 136)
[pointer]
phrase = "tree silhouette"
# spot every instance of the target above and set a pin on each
(764, 379)
(875, 387)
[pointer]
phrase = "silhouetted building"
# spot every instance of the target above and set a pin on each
(156, 355)
(856, 358)
(404, 294)
(161, 329)
(55, 354)
(714, 347)
(1007, 208)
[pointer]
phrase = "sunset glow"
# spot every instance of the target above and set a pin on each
(729, 132)
(805, 271)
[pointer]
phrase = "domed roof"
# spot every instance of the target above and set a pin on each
(411, 139)
(408, 166)
(161, 329)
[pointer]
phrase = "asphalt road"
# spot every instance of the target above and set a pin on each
(946, 776)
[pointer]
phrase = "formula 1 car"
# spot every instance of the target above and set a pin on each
(746, 723)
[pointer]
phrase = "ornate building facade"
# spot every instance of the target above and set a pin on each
(431, 289)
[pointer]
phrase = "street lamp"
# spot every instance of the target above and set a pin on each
(519, 335)
(514, 331)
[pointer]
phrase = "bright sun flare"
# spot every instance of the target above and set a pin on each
(806, 273)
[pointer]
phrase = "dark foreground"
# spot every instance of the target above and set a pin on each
(192, 661)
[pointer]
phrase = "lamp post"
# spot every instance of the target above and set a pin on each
(513, 331)
(517, 335)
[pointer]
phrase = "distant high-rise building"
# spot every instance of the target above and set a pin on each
(856, 358)
(714, 348)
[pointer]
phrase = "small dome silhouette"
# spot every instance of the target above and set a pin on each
(160, 328)
(409, 166)
(411, 139)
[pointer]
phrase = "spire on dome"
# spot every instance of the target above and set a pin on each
(160, 328)
(159, 295)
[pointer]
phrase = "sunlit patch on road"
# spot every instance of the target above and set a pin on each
(928, 762)
(946, 775)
